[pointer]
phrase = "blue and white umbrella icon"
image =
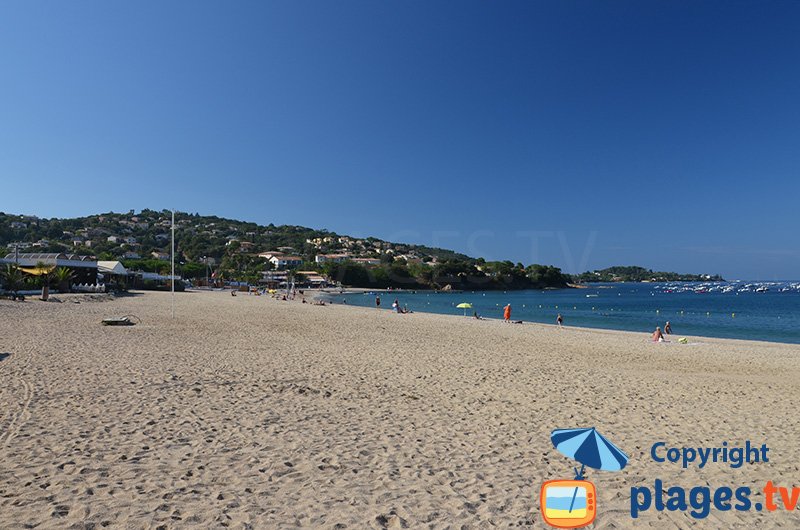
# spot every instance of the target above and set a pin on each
(590, 448)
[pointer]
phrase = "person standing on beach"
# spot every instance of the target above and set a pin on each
(378, 302)
(668, 328)
(507, 313)
(559, 320)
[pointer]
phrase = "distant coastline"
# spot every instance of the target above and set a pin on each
(619, 273)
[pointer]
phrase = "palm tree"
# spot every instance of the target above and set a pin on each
(13, 279)
(45, 272)
(63, 277)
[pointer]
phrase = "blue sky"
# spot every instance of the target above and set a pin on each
(580, 134)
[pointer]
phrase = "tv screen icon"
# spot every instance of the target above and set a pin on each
(568, 503)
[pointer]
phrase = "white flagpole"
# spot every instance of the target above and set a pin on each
(173, 263)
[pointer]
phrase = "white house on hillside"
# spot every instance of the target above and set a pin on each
(367, 261)
(285, 262)
(335, 258)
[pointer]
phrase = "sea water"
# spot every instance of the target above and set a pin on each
(738, 310)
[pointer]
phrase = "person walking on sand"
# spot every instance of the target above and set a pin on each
(507, 313)
(668, 328)
(559, 320)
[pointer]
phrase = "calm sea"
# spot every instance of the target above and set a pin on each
(740, 310)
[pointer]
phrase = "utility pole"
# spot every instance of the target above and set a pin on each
(173, 263)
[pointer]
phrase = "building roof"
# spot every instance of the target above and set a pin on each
(112, 267)
(27, 259)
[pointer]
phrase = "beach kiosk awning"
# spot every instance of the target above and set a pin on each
(38, 271)
(112, 267)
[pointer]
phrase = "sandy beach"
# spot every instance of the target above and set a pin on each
(250, 412)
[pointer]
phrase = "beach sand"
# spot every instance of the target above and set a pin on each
(249, 412)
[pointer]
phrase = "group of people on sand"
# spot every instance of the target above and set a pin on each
(507, 317)
(395, 306)
(401, 310)
(315, 302)
(658, 335)
(285, 296)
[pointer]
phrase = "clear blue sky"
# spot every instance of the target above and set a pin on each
(664, 134)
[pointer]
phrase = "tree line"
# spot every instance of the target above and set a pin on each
(453, 274)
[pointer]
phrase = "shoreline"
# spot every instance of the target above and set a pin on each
(315, 295)
(319, 295)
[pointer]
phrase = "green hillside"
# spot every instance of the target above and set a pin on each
(231, 248)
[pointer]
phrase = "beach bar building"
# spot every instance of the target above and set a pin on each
(112, 268)
(274, 279)
(113, 272)
(311, 279)
(84, 268)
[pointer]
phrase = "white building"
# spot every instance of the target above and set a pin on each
(20, 245)
(334, 258)
(312, 278)
(366, 261)
(285, 262)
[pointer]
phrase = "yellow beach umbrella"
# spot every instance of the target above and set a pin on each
(464, 306)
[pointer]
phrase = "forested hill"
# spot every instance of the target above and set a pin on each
(231, 249)
(640, 274)
(113, 235)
